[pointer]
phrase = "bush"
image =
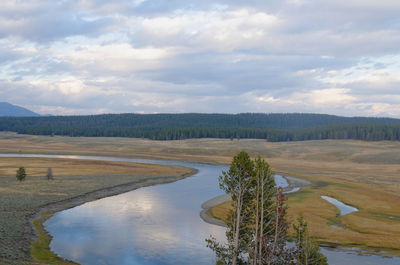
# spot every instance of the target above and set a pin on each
(21, 174)
(49, 174)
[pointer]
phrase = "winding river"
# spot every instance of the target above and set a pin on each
(153, 225)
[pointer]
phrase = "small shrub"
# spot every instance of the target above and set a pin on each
(21, 174)
(49, 174)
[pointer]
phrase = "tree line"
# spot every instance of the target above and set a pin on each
(272, 127)
(257, 231)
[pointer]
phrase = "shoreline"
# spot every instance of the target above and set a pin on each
(46, 211)
(295, 184)
(205, 213)
(322, 243)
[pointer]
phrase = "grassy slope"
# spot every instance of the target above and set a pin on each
(363, 174)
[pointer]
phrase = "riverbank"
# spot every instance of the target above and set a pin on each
(358, 173)
(26, 205)
(213, 214)
(206, 215)
(215, 211)
(40, 250)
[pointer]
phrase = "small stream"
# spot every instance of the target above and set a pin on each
(343, 208)
(154, 225)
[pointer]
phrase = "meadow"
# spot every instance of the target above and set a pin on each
(359, 173)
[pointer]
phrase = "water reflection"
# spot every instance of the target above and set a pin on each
(349, 257)
(153, 225)
(343, 208)
(280, 181)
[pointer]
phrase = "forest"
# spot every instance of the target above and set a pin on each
(272, 127)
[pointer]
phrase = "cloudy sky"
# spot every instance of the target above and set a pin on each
(148, 56)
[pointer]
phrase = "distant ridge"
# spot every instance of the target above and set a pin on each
(272, 127)
(9, 110)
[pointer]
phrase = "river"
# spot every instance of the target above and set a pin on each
(153, 225)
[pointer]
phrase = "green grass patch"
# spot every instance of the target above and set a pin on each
(299, 196)
(342, 185)
(40, 249)
(335, 221)
(384, 216)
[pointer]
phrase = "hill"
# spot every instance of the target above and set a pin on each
(273, 127)
(9, 110)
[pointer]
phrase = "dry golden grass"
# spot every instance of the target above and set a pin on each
(221, 211)
(39, 166)
(363, 174)
(375, 226)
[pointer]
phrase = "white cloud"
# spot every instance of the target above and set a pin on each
(330, 96)
(98, 56)
(113, 57)
(379, 109)
(215, 30)
(266, 99)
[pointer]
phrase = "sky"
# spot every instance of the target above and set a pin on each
(75, 57)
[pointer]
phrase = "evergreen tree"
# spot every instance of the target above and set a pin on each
(307, 251)
(263, 207)
(236, 182)
(257, 226)
(21, 174)
(272, 127)
(275, 250)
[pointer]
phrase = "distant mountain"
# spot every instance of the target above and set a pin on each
(9, 110)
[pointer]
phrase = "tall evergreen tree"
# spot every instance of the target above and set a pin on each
(257, 226)
(263, 204)
(237, 183)
(275, 250)
(307, 251)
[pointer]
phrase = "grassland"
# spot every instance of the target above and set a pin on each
(363, 174)
(75, 182)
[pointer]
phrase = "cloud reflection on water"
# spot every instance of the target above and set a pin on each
(153, 225)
